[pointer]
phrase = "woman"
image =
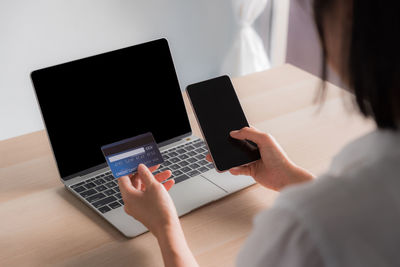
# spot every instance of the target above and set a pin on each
(349, 216)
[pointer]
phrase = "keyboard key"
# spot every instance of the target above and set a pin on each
(165, 157)
(119, 196)
(104, 209)
(108, 178)
(191, 160)
(101, 188)
(102, 175)
(121, 201)
(186, 169)
(181, 151)
(202, 169)
(184, 156)
(173, 154)
(193, 173)
(79, 189)
(102, 181)
(79, 184)
(163, 169)
(191, 153)
(109, 192)
(177, 173)
(183, 163)
(175, 167)
(175, 160)
(110, 184)
(203, 162)
(95, 197)
(116, 188)
(90, 185)
(210, 166)
(104, 201)
(88, 193)
(199, 157)
(115, 205)
(167, 163)
(194, 166)
(189, 147)
(181, 178)
(199, 144)
(200, 150)
(97, 182)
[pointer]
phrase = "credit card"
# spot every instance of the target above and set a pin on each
(123, 157)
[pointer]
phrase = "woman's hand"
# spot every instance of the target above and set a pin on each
(147, 200)
(274, 170)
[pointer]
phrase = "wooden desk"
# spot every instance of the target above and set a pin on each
(43, 224)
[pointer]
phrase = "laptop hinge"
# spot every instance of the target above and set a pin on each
(78, 179)
(179, 142)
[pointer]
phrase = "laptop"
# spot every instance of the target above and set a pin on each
(116, 95)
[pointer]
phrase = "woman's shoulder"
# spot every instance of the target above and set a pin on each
(362, 185)
(364, 173)
(343, 214)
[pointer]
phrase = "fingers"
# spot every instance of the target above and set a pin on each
(153, 168)
(241, 170)
(145, 175)
(251, 134)
(144, 178)
(136, 182)
(208, 158)
(168, 184)
(163, 175)
(125, 184)
(136, 179)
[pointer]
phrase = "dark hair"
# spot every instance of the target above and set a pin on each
(372, 68)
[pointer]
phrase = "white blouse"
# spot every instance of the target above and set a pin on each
(348, 217)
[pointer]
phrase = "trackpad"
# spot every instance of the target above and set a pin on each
(227, 181)
(193, 193)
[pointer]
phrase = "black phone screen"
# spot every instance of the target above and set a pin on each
(218, 112)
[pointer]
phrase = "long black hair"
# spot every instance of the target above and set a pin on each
(372, 67)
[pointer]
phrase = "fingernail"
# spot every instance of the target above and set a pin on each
(234, 132)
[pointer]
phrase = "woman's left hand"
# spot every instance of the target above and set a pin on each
(147, 200)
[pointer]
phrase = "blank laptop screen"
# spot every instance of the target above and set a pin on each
(101, 99)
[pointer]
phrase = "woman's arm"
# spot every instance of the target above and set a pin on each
(148, 201)
(174, 248)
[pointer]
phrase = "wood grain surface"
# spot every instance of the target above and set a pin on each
(44, 225)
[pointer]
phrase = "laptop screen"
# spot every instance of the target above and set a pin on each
(105, 98)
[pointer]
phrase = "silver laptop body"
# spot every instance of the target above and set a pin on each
(124, 91)
(187, 195)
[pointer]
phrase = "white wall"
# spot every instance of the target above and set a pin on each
(38, 33)
(303, 47)
(279, 31)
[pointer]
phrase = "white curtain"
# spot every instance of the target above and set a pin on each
(247, 54)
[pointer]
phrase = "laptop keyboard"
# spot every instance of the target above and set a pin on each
(185, 161)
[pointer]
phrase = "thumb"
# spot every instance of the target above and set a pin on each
(251, 134)
(145, 174)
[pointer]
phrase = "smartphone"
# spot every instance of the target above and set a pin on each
(218, 112)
